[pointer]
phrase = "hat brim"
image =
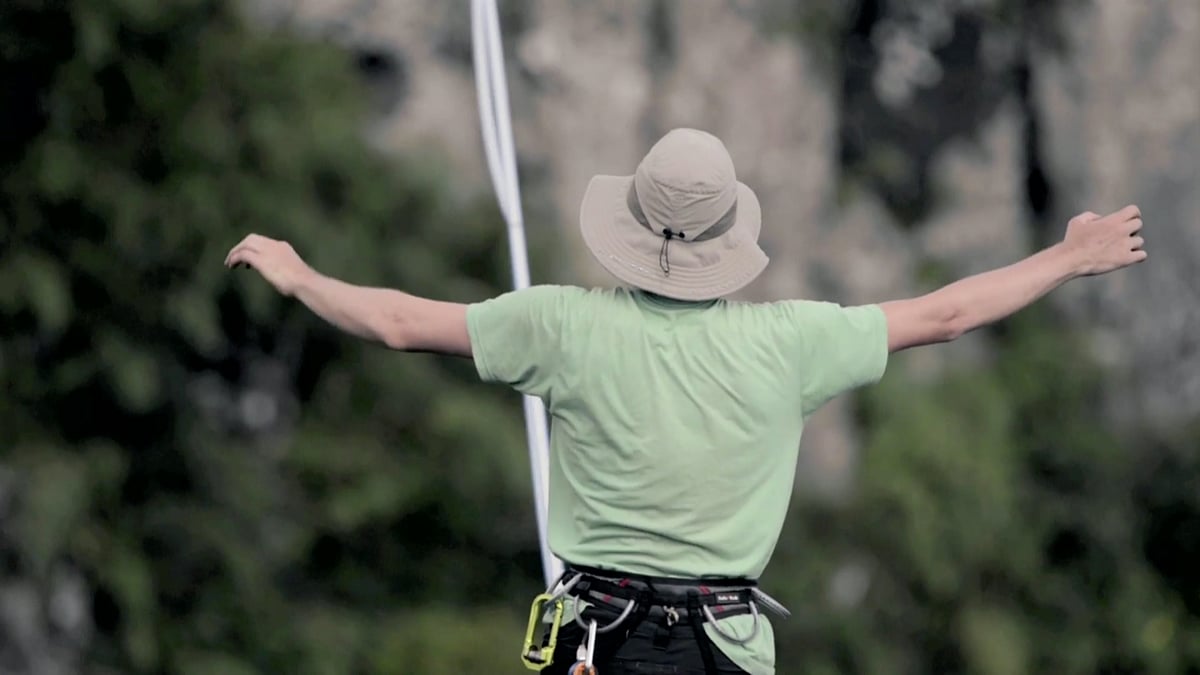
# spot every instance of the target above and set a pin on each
(701, 270)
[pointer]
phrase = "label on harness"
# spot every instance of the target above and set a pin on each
(728, 598)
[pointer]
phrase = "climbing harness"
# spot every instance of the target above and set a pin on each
(635, 599)
(496, 127)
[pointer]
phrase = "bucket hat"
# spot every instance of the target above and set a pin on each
(682, 226)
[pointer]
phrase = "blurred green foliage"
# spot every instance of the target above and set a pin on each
(245, 491)
(1002, 526)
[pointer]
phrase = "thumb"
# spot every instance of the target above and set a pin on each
(1083, 218)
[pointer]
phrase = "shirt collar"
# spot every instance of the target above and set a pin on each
(671, 303)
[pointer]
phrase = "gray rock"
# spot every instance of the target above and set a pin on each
(1121, 117)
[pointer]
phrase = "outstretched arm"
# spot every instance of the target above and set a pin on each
(1093, 245)
(395, 319)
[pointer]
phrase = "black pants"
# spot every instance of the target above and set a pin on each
(631, 650)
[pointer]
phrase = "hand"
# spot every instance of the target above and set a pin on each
(1102, 244)
(275, 260)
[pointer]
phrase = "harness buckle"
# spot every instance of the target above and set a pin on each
(672, 616)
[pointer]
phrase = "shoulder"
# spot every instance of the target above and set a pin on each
(534, 294)
(542, 299)
(779, 310)
(802, 316)
(819, 309)
(577, 294)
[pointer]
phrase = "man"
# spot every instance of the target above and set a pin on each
(676, 414)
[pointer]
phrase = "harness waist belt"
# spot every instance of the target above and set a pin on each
(660, 582)
(723, 597)
(657, 598)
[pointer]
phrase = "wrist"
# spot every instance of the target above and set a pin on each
(303, 283)
(1069, 260)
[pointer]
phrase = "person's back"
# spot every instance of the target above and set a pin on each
(676, 425)
(676, 415)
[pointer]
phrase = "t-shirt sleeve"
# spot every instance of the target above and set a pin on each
(840, 348)
(516, 338)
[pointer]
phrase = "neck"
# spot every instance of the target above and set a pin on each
(673, 302)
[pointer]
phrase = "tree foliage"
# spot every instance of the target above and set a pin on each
(1001, 526)
(243, 490)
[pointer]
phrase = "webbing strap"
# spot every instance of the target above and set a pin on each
(702, 641)
(718, 599)
(496, 128)
(597, 573)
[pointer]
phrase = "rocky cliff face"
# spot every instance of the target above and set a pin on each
(933, 134)
(1121, 119)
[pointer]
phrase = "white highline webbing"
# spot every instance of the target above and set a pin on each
(496, 124)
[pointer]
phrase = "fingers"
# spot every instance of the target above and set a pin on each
(1136, 243)
(1085, 217)
(253, 243)
(238, 247)
(1139, 256)
(1130, 212)
(242, 256)
(1133, 226)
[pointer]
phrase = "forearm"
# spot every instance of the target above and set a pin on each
(378, 314)
(1093, 245)
(991, 296)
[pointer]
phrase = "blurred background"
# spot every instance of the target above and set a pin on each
(198, 477)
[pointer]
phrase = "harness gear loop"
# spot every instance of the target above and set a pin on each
(611, 626)
(721, 631)
(770, 604)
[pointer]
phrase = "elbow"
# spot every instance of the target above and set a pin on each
(953, 324)
(924, 321)
(394, 333)
(396, 340)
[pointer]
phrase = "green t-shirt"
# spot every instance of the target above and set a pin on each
(675, 426)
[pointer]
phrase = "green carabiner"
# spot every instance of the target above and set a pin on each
(541, 637)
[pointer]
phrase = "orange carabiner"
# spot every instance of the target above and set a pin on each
(581, 668)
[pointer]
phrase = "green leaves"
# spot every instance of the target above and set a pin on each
(246, 491)
(132, 371)
(42, 283)
(54, 502)
(997, 518)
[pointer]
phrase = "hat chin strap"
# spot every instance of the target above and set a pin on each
(718, 228)
(664, 253)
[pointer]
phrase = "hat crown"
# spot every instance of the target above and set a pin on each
(687, 182)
